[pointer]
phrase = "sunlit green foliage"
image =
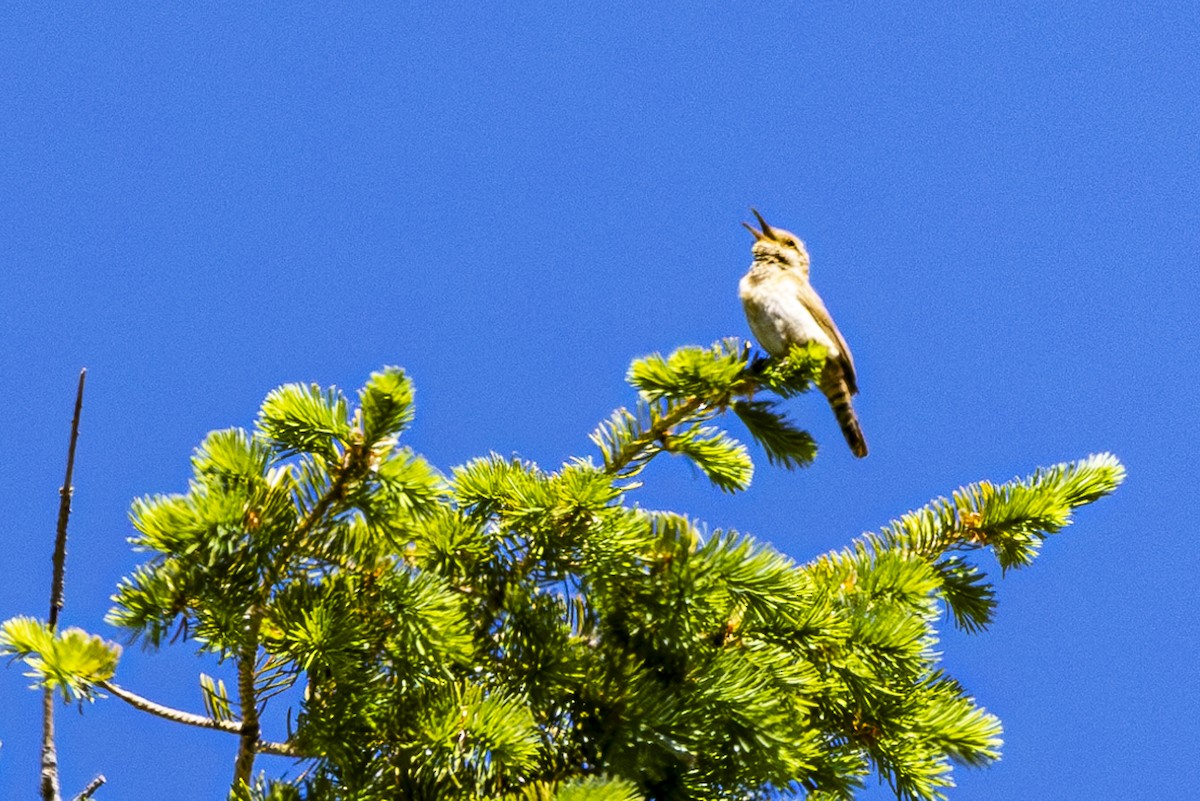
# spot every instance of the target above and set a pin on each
(513, 632)
(71, 661)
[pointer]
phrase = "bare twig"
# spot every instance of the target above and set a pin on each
(192, 719)
(92, 787)
(170, 713)
(64, 512)
(49, 774)
(278, 749)
(49, 783)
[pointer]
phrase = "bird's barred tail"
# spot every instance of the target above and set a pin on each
(834, 387)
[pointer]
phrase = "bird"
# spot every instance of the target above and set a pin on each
(783, 310)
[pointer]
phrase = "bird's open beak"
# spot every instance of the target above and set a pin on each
(757, 234)
(766, 229)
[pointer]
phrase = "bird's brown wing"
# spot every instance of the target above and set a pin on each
(812, 302)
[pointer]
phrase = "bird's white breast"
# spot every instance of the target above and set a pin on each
(778, 318)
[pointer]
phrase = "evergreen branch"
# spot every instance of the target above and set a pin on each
(723, 459)
(71, 661)
(794, 374)
(490, 642)
(714, 373)
(272, 677)
(786, 445)
(231, 457)
(353, 464)
(640, 442)
(710, 381)
(969, 595)
(595, 788)
(1012, 518)
(629, 441)
(387, 404)
(250, 727)
(305, 419)
(215, 697)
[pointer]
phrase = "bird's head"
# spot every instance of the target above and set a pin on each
(777, 245)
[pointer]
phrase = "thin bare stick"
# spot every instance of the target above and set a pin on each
(170, 713)
(64, 512)
(49, 783)
(92, 787)
(192, 719)
(278, 749)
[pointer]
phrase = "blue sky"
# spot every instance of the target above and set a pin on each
(200, 203)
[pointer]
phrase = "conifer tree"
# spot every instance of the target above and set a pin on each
(510, 632)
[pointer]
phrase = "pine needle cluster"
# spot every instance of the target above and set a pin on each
(510, 632)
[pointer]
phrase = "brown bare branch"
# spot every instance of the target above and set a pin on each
(49, 772)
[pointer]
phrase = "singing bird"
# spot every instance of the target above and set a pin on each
(784, 310)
